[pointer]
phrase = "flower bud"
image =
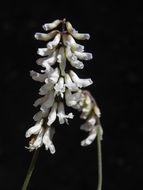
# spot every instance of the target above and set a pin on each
(73, 59)
(45, 37)
(75, 33)
(35, 129)
(80, 82)
(52, 25)
(51, 45)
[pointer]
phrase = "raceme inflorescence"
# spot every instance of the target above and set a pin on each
(61, 87)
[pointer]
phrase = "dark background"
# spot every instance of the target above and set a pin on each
(116, 70)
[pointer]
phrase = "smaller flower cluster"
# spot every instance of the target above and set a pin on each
(91, 113)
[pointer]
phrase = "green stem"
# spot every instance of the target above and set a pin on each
(30, 170)
(99, 187)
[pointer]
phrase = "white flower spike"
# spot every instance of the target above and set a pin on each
(60, 85)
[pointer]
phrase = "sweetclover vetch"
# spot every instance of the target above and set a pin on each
(60, 87)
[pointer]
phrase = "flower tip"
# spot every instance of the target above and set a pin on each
(83, 143)
(87, 36)
(89, 56)
(45, 27)
(36, 35)
(27, 135)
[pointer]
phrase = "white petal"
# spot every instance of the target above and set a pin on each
(69, 84)
(52, 25)
(61, 59)
(38, 76)
(60, 87)
(80, 82)
(35, 129)
(73, 59)
(44, 51)
(46, 61)
(40, 101)
(75, 33)
(52, 114)
(39, 115)
(45, 88)
(68, 40)
(39, 140)
(47, 139)
(92, 120)
(49, 101)
(72, 99)
(83, 56)
(45, 37)
(61, 114)
(89, 124)
(90, 138)
(51, 45)
(54, 76)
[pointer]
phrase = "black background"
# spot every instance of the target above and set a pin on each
(116, 70)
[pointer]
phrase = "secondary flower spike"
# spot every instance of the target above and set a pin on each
(60, 87)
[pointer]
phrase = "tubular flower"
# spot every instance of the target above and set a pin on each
(60, 87)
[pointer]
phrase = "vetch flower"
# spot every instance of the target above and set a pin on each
(70, 84)
(48, 102)
(51, 45)
(91, 137)
(60, 87)
(46, 61)
(52, 114)
(61, 114)
(52, 25)
(80, 82)
(44, 51)
(38, 76)
(72, 99)
(73, 59)
(35, 129)
(54, 76)
(75, 33)
(45, 37)
(83, 55)
(47, 139)
(40, 114)
(68, 40)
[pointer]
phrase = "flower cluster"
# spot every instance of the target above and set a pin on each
(91, 113)
(61, 87)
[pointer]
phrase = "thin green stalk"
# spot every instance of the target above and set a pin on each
(99, 187)
(30, 170)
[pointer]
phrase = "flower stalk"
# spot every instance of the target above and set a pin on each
(99, 187)
(30, 170)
